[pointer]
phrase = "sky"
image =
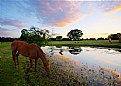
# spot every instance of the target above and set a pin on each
(95, 18)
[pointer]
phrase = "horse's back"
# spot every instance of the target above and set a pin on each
(20, 46)
(25, 49)
(18, 42)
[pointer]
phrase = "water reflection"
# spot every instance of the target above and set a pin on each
(91, 56)
(56, 49)
(104, 62)
(75, 50)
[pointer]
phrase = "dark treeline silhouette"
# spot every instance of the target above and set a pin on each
(62, 39)
(67, 39)
(7, 39)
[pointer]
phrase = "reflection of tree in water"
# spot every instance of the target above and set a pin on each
(55, 48)
(119, 50)
(75, 50)
(61, 50)
(51, 51)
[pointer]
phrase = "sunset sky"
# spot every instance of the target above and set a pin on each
(94, 18)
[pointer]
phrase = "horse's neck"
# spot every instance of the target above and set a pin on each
(43, 58)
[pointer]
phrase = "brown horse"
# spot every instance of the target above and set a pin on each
(29, 50)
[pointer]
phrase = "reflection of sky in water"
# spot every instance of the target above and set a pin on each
(92, 56)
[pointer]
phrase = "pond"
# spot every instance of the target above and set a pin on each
(90, 56)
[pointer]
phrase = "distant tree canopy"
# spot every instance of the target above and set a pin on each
(115, 36)
(34, 35)
(58, 38)
(75, 34)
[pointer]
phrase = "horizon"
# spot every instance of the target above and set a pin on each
(95, 19)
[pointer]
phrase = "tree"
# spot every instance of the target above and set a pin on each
(115, 36)
(24, 34)
(58, 38)
(34, 35)
(119, 36)
(75, 34)
(45, 33)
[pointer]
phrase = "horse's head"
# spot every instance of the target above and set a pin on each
(47, 67)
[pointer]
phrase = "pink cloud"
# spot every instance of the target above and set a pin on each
(58, 13)
(64, 12)
(16, 23)
(110, 6)
(5, 32)
(115, 9)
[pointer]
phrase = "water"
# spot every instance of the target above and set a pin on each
(90, 56)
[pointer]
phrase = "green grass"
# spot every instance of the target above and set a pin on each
(97, 43)
(11, 76)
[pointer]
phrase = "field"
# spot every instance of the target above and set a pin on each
(96, 43)
(62, 71)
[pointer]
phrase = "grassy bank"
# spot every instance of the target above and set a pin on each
(97, 43)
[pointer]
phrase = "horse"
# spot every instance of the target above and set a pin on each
(29, 50)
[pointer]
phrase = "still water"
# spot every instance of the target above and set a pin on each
(90, 56)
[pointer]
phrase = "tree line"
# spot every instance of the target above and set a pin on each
(39, 36)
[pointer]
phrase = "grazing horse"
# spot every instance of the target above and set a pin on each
(29, 50)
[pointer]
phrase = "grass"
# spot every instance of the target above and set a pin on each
(62, 71)
(97, 43)
(9, 76)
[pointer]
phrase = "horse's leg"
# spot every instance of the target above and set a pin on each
(31, 64)
(17, 57)
(36, 64)
(14, 56)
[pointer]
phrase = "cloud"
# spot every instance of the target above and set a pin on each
(56, 13)
(59, 13)
(117, 8)
(5, 32)
(62, 13)
(16, 23)
(110, 6)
